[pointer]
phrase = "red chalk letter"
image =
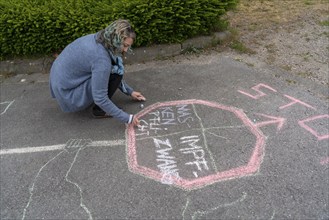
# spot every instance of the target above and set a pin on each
(294, 101)
(257, 89)
(325, 161)
(311, 130)
(275, 120)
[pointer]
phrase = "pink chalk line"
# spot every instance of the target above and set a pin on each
(276, 120)
(257, 89)
(311, 130)
(325, 161)
(295, 101)
(252, 166)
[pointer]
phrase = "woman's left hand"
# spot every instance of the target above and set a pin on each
(138, 96)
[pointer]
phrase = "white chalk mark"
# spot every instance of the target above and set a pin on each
(32, 149)
(193, 129)
(187, 203)
(225, 127)
(107, 143)
(205, 139)
(81, 144)
(59, 147)
(273, 214)
(31, 189)
(189, 137)
(72, 144)
(9, 103)
(166, 135)
(202, 213)
(216, 135)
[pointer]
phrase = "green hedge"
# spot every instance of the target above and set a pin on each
(30, 27)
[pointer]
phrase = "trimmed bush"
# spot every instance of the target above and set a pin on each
(30, 27)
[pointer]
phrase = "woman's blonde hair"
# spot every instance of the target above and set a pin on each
(113, 35)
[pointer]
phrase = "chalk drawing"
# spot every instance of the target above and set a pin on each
(295, 101)
(72, 146)
(167, 165)
(199, 214)
(185, 208)
(26, 150)
(206, 130)
(320, 135)
(31, 189)
(80, 144)
(257, 89)
(261, 94)
(303, 124)
(324, 161)
(8, 103)
(205, 139)
(275, 120)
(189, 135)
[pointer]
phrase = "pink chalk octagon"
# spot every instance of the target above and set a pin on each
(250, 168)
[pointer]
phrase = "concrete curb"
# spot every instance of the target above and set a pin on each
(140, 55)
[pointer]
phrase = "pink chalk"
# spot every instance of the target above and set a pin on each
(303, 124)
(295, 101)
(257, 89)
(250, 168)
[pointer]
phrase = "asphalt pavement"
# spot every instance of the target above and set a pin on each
(218, 139)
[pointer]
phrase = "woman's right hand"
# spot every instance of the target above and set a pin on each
(135, 121)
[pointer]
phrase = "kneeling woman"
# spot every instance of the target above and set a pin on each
(89, 71)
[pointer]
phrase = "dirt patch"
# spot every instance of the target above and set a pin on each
(289, 34)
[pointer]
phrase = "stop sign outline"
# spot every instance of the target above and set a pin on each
(251, 167)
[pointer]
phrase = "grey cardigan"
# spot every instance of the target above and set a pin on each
(79, 77)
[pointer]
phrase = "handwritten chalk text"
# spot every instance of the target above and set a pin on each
(165, 117)
(168, 165)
